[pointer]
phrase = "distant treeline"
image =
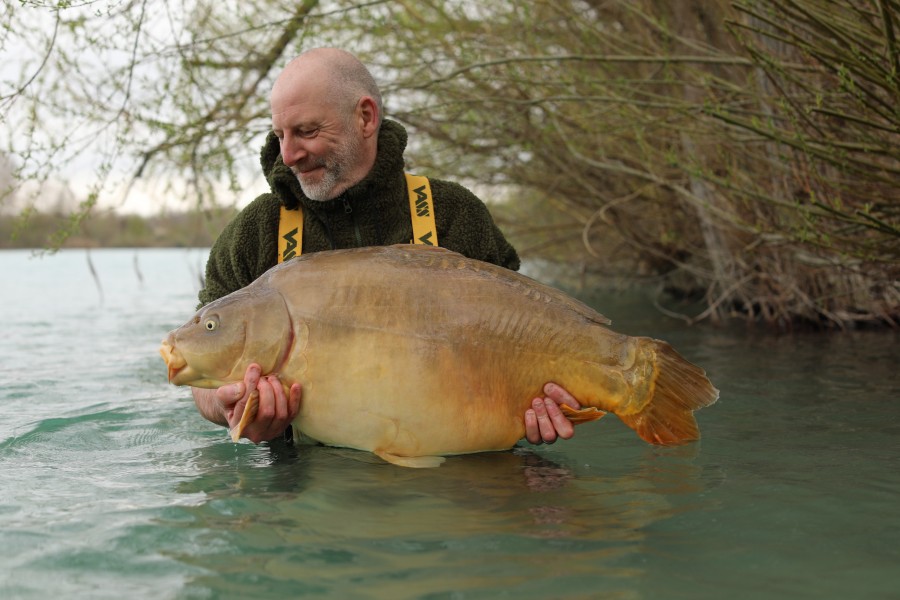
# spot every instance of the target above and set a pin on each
(112, 230)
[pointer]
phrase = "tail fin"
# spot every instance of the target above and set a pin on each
(680, 388)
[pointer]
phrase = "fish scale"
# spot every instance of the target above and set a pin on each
(415, 353)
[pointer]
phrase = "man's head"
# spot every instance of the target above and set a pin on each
(326, 111)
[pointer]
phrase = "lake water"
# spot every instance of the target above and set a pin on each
(111, 484)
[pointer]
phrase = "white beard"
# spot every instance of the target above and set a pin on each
(337, 165)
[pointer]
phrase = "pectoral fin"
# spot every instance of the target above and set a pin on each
(250, 410)
(414, 462)
(582, 415)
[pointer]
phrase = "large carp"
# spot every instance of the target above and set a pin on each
(413, 353)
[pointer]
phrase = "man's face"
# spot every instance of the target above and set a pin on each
(320, 145)
(325, 173)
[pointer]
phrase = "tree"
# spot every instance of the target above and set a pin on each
(748, 152)
(745, 153)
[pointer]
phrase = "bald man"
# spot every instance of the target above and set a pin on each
(331, 156)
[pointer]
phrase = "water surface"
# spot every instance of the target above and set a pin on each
(113, 486)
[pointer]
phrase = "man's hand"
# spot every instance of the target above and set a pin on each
(544, 421)
(226, 404)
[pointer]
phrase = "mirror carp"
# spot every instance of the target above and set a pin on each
(415, 353)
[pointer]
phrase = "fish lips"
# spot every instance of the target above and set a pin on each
(181, 373)
(175, 362)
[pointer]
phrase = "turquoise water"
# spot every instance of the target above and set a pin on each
(112, 485)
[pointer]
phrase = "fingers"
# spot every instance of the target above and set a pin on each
(277, 407)
(231, 399)
(532, 429)
(542, 428)
(269, 402)
(544, 421)
(560, 396)
(274, 414)
(559, 425)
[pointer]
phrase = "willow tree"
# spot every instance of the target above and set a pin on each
(825, 123)
(136, 91)
(748, 153)
(745, 153)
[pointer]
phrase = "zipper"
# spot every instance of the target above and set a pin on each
(348, 210)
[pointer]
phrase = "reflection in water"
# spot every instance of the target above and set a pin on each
(331, 520)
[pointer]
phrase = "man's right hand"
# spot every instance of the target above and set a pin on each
(277, 409)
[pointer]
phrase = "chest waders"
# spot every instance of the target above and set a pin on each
(421, 210)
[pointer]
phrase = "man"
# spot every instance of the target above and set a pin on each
(333, 157)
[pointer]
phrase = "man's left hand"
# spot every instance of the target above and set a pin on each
(544, 421)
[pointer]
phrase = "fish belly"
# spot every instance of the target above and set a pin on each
(412, 394)
(409, 397)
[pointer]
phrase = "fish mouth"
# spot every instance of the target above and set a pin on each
(174, 360)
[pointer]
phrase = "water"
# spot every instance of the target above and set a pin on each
(112, 486)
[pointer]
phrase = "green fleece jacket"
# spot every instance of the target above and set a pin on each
(374, 212)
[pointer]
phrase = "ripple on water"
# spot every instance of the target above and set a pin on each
(112, 484)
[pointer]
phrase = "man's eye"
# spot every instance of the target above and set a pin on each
(307, 133)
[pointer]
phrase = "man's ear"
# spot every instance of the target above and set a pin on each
(367, 115)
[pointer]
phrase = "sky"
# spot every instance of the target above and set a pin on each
(48, 111)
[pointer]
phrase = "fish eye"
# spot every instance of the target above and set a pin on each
(211, 324)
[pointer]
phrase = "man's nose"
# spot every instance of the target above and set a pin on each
(292, 150)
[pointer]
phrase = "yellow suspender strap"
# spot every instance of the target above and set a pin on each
(421, 207)
(290, 233)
